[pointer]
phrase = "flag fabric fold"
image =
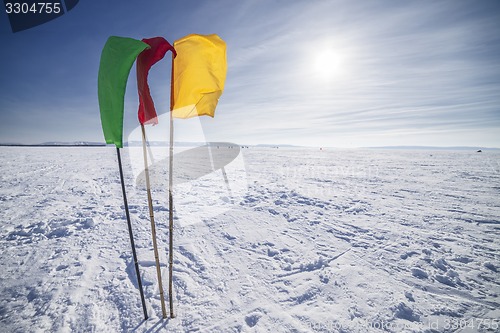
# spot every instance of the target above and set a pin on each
(158, 48)
(117, 58)
(199, 73)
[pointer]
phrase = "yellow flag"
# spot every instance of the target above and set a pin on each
(199, 73)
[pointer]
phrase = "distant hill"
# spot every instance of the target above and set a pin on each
(163, 144)
(125, 144)
(56, 144)
(434, 148)
(275, 145)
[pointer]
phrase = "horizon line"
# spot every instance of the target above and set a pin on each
(274, 145)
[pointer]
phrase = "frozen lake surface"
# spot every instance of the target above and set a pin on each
(303, 240)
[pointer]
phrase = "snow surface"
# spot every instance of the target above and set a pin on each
(303, 240)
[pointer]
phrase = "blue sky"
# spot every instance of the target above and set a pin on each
(317, 73)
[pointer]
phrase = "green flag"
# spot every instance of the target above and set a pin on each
(117, 58)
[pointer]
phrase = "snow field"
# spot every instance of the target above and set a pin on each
(309, 241)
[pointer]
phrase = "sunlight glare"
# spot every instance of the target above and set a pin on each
(327, 64)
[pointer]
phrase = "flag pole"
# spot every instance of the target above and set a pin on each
(134, 254)
(152, 218)
(170, 198)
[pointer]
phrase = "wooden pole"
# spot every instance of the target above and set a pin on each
(153, 227)
(134, 254)
(170, 198)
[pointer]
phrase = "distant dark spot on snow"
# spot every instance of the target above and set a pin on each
(324, 279)
(249, 199)
(419, 273)
(407, 254)
(490, 266)
(426, 251)
(363, 245)
(409, 296)
(228, 236)
(32, 295)
(464, 260)
(436, 245)
(403, 311)
(252, 319)
(441, 264)
(445, 280)
(272, 253)
(272, 211)
(340, 235)
(61, 267)
(356, 228)
(487, 222)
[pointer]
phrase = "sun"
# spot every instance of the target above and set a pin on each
(327, 64)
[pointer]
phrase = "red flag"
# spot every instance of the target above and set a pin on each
(159, 46)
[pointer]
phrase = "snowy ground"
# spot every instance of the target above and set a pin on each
(306, 241)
